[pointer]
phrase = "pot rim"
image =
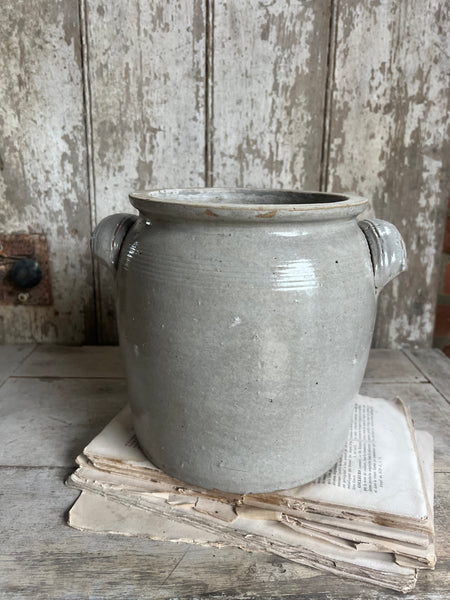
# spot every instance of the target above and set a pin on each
(233, 204)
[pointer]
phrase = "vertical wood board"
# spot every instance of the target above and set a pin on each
(43, 180)
(147, 84)
(389, 141)
(270, 66)
(224, 93)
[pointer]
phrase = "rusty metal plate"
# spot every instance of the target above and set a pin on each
(22, 245)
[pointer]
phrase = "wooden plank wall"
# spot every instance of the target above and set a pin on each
(99, 98)
(43, 170)
(389, 141)
(146, 81)
(270, 69)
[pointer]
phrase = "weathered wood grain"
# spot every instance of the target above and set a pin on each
(146, 64)
(42, 558)
(270, 66)
(384, 366)
(72, 361)
(389, 141)
(429, 411)
(45, 422)
(391, 366)
(43, 179)
(435, 365)
(11, 357)
(48, 421)
(224, 93)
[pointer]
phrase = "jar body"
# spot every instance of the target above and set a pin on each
(245, 345)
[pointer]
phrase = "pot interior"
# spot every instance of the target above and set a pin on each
(241, 196)
(246, 204)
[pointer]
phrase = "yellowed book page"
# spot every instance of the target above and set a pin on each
(366, 479)
(95, 512)
(378, 472)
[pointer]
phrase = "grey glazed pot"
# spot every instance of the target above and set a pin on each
(245, 320)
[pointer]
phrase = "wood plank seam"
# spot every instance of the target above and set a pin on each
(419, 367)
(175, 567)
(328, 102)
(50, 377)
(19, 364)
(90, 164)
(65, 468)
(209, 93)
(416, 364)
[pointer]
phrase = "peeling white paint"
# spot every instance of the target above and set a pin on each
(389, 143)
(147, 86)
(43, 182)
(269, 80)
(146, 63)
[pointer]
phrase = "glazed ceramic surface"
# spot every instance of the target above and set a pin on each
(245, 321)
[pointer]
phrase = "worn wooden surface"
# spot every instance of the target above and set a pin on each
(433, 364)
(99, 98)
(71, 361)
(389, 125)
(43, 178)
(31, 407)
(146, 64)
(270, 68)
(11, 357)
(390, 366)
(51, 406)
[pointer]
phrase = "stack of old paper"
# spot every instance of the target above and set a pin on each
(369, 518)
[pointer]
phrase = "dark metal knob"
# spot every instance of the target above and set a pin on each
(26, 273)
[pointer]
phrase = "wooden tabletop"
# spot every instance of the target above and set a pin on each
(54, 400)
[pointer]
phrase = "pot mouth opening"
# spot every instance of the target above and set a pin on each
(247, 203)
(240, 197)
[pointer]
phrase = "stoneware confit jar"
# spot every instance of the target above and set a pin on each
(245, 320)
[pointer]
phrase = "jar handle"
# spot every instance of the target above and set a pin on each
(108, 236)
(387, 250)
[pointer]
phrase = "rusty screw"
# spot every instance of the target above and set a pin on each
(23, 297)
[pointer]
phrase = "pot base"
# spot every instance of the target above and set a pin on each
(216, 478)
